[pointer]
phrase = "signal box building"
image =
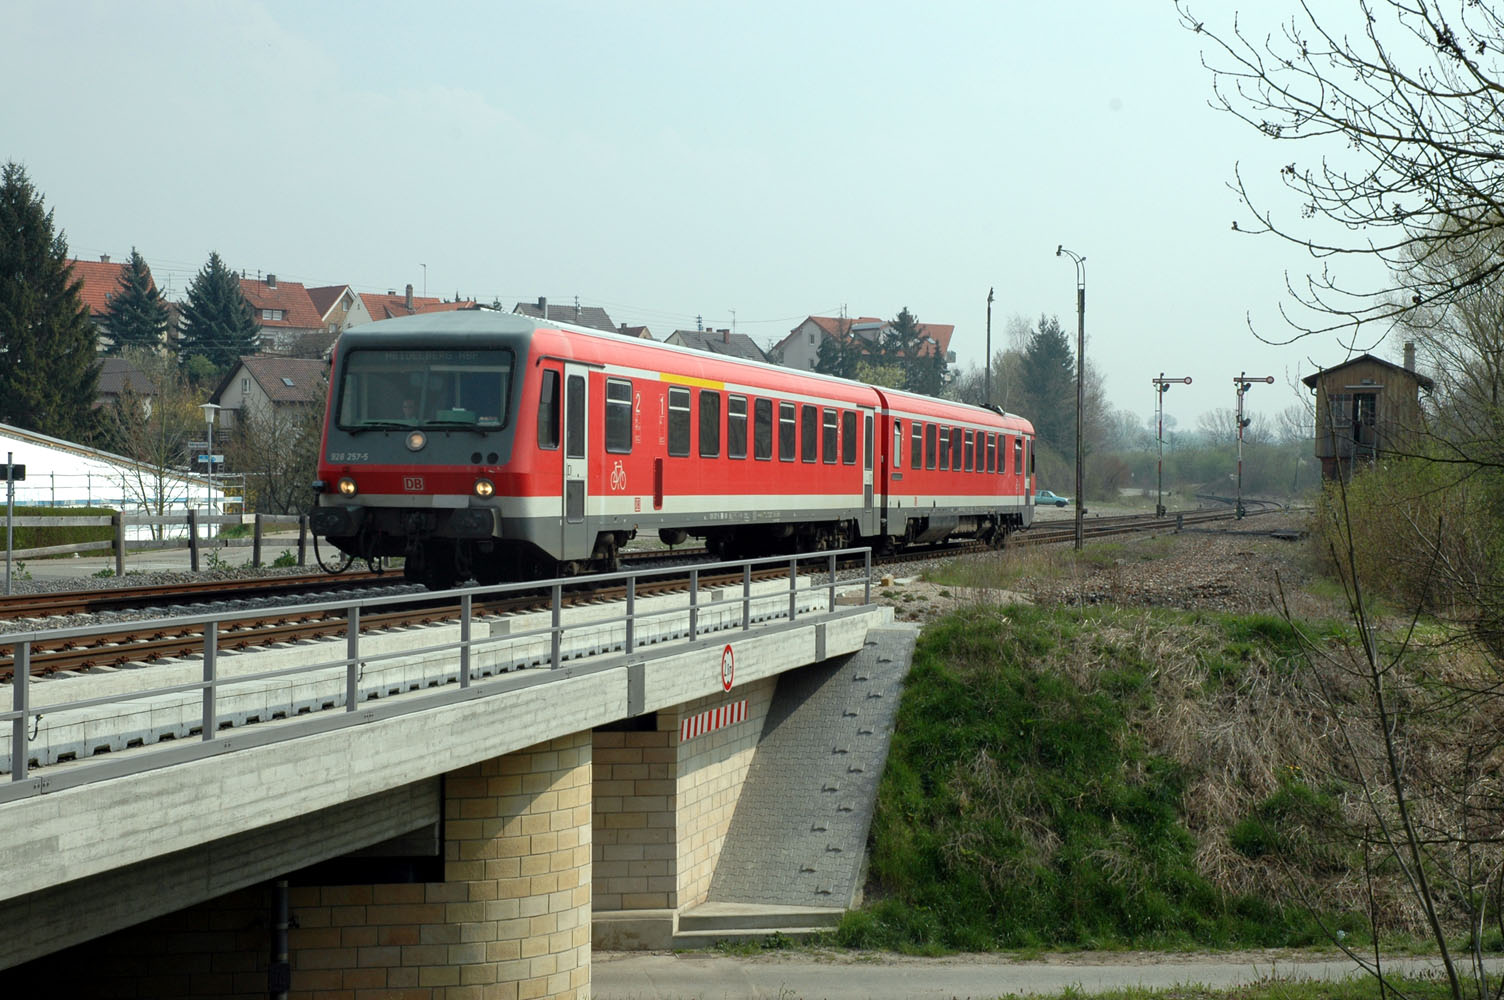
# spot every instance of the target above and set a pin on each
(1366, 408)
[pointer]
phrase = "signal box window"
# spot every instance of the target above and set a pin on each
(618, 416)
(809, 433)
(548, 411)
(828, 447)
(944, 448)
(710, 423)
(787, 433)
(848, 437)
(916, 445)
(762, 429)
(929, 446)
(678, 422)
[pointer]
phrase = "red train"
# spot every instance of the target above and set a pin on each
(486, 444)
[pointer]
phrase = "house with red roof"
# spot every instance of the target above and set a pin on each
(339, 307)
(100, 281)
(801, 348)
(289, 322)
(391, 305)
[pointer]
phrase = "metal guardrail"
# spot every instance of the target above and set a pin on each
(355, 708)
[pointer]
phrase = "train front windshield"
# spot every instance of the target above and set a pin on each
(428, 388)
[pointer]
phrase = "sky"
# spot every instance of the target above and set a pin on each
(741, 164)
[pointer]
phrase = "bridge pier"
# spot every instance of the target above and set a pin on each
(664, 793)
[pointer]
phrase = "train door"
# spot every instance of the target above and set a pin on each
(869, 512)
(576, 543)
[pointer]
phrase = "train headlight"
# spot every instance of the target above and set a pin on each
(416, 440)
(484, 487)
(346, 486)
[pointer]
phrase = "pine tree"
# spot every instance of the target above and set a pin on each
(137, 316)
(905, 343)
(49, 376)
(1049, 379)
(218, 323)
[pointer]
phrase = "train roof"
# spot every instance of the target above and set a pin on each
(491, 322)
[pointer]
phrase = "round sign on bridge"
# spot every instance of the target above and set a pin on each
(728, 667)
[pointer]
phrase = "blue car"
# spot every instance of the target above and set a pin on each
(1044, 498)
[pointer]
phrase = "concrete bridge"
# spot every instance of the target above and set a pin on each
(455, 811)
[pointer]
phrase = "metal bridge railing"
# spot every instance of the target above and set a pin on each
(468, 653)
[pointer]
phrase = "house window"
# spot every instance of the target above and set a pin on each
(245, 385)
(287, 381)
(273, 314)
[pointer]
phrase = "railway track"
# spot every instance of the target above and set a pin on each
(148, 642)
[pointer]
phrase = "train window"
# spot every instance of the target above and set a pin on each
(618, 416)
(787, 435)
(678, 422)
(828, 447)
(991, 452)
(897, 445)
(867, 440)
(929, 446)
(916, 445)
(762, 429)
(1018, 456)
(848, 437)
(945, 448)
(397, 389)
(548, 410)
(955, 448)
(710, 423)
(736, 426)
(809, 433)
(574, 416)
(1002, 453)
(971, 451)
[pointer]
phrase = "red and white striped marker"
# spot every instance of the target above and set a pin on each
(712, 719)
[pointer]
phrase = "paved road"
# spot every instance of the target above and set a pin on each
(801, 976)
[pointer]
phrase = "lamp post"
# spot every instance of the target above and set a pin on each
(1162, 386)
(1080, 262)
(210, 409)
(1243, 382)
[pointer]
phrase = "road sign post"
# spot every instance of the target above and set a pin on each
(13, 472)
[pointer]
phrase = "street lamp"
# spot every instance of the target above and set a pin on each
(1243, 382)
(987, 364)
(210, 409)
(1162, 386)
(1080, 375)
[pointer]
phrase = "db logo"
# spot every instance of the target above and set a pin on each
(412, 484)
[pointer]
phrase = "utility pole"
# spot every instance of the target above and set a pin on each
(1162, 386)
(1243, 382)
(987, 362)
(1080, 262)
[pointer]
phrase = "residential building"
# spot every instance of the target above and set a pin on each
(736, 345)
(338, 307)
(636, 332)
(100, 280)
(391, 305)
(1366, 408)
(290, 324)
(801, 348)
(267, 384)
(593, 317)
(116, 375)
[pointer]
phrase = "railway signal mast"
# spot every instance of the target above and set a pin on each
(1243, 382)
(1162, 386)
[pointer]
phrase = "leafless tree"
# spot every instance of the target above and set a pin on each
(154, 426)
(1401, 103)
(276, 447)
